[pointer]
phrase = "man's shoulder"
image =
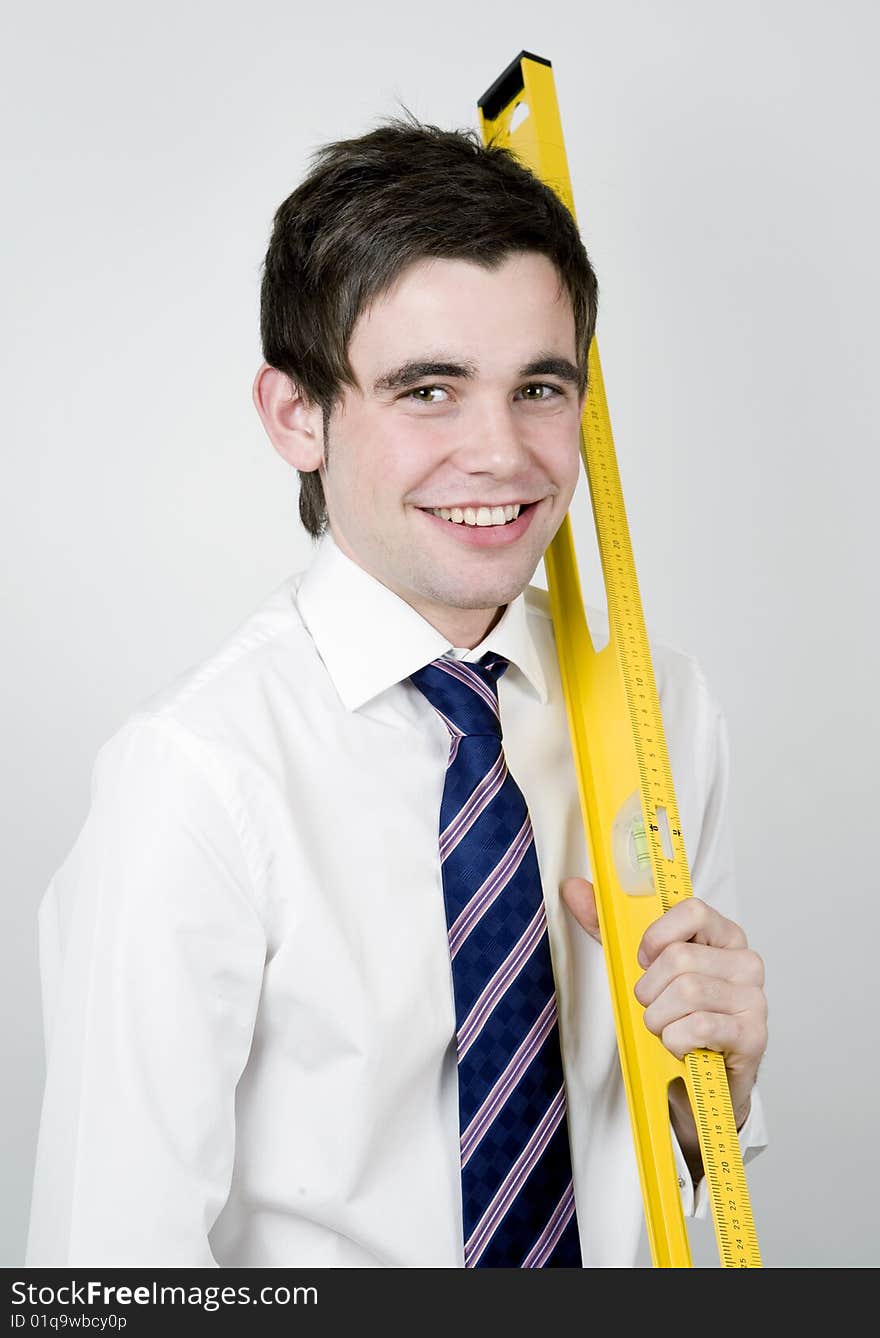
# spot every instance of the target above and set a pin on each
(678, 672)
(230, 696)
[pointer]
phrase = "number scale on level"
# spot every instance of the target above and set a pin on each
(706, 1077)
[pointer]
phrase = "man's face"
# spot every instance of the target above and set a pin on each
(467, 400)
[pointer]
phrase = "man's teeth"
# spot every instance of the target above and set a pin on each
(483, 515)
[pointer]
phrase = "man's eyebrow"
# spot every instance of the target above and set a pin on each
(550, 365)
(417, 369)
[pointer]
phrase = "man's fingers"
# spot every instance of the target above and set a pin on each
(740, 966)
(580, 899)
(708, 1001)
(690, 919)
(740, 1037)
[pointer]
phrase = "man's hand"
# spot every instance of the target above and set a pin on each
(702, 989)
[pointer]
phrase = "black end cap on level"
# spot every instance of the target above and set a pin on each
(506, 86)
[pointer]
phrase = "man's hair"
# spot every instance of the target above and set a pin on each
(368, 208)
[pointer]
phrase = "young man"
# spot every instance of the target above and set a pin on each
(321, 978)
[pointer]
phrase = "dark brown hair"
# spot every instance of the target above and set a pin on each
(367, 209)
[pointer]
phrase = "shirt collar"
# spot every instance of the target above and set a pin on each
(370, 639)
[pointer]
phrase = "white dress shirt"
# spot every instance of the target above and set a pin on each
(247, 993)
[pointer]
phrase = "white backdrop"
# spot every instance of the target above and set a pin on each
(724, 167)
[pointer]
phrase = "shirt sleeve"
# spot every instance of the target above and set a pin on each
(713, 880)
(151, 963)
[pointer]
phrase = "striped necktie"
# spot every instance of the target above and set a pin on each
(517, 1195)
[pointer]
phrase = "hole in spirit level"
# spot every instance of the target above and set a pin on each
(665, 834)
(520, 114)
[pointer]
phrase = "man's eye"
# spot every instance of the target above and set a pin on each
(536, 391)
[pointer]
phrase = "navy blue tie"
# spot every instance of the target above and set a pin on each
(517, 1195)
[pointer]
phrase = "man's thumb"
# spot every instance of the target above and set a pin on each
(580, 899)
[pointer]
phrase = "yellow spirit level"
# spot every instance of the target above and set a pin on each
(625, 784)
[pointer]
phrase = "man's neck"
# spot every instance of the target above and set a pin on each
(470, 629)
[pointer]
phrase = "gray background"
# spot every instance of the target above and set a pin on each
(724, 165)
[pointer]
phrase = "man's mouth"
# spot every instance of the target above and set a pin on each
(479, 515)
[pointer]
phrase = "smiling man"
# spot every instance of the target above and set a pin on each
(455, 458)
(322, 984)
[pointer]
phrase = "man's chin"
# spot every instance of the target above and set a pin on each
(486, 596)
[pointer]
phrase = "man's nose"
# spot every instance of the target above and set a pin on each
(494, 441)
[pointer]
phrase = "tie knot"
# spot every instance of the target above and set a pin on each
(465, 695)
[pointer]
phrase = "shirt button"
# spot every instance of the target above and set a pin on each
(681, 1182)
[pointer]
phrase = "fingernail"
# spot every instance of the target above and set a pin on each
(643, 957)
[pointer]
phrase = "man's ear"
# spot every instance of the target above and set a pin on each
(294, 426)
